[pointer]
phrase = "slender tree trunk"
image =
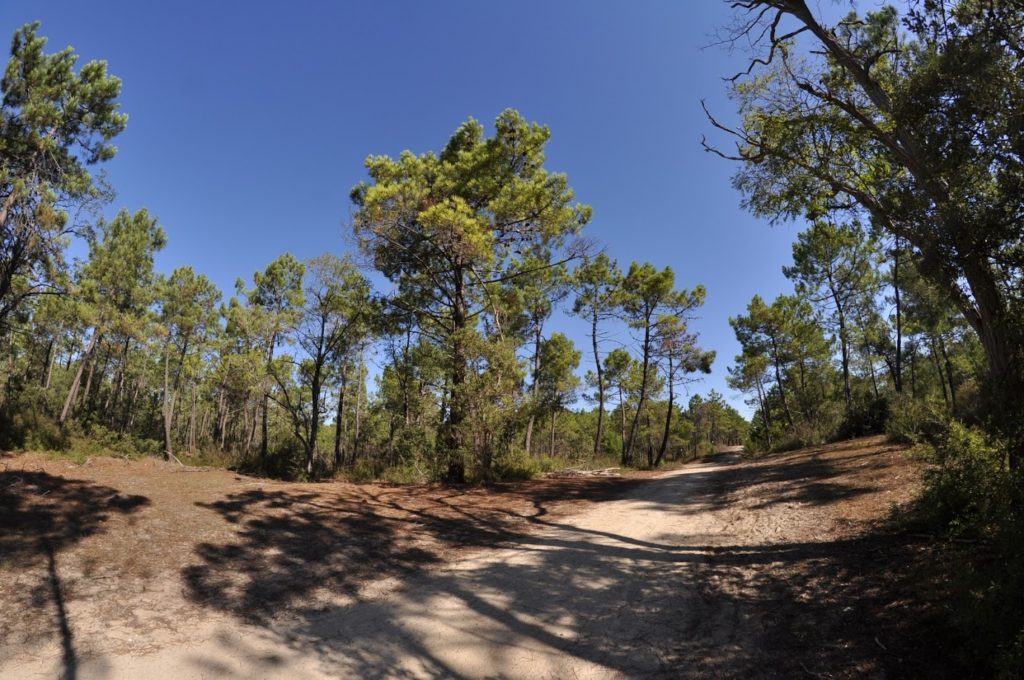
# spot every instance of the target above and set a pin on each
(535, 386)
(551, 449)
(47, 365)
(129, 419)
(73, 391)
(668, 415)
(600, 387)
(871, 369)
(357, 420)
(622, 421)
(938, 370)
(627, 455)
(314, 417)
(899, 317)
(949, 373)
(83, 400)
(778, 381)
(339, 422)
(913, 371)
(457, 411)
(843, 343)
(265, 427)
(168, 405)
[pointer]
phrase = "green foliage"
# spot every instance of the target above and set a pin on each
(916, 421)
(54, 123)
(970, 495)
(518, 467)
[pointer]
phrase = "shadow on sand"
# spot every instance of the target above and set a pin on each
(692, 606)
(43, 514)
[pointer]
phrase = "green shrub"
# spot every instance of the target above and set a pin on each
(969, 489)
(913, 421)
(31, 431)
(520, 466)
(970, 495)
(866, 416)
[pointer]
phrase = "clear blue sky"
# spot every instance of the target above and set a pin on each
(249, 123)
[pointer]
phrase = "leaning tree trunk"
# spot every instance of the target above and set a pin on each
(73, 391)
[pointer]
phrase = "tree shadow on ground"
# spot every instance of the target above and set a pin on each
(700, 606)
(41, 515)
(292, 544)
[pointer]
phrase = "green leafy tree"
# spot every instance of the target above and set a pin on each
(597, 281)
(116, 284)
(189, 314)
(277, 295)
(557, 378)
(54, 124)
(647, 295)
(446, 228)
(337, 296)
(677, 348)
(834, 265)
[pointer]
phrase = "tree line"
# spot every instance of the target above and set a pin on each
(480, 244)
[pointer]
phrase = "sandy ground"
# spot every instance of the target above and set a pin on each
(771, 567)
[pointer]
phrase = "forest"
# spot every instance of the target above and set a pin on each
(480, 244)
(895, 138)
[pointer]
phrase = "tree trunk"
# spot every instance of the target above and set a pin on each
(265, 427)
(457, 408)
(668, 416)
(899, 318)
(534, 388)
(551, 448)
(938, 370)
(627, 454)
(949, 373)
(357, 420)
(339, 422)
(73, 391)
(778, 381)
(168, 405)
(600, 388)
(48, 366)
(844, 346)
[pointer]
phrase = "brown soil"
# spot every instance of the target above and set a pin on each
(145, 543)
(780, 566)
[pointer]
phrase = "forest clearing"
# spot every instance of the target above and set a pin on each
(362, 350)
(773, 566)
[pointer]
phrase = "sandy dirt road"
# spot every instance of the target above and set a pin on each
(724, 568)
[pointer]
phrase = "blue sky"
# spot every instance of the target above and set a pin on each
(249, 123)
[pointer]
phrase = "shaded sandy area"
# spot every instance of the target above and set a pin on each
(771, 567)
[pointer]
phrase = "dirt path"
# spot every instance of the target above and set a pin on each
(725, 568)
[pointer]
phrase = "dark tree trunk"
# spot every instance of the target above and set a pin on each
(668, 415)
(600, 387)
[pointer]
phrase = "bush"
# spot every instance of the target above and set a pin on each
(969, 490)
(912, 421)
(865, 417)
(31, 431)
(970, 495)
(518, 467)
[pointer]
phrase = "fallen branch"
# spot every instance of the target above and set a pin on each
(576, 472)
